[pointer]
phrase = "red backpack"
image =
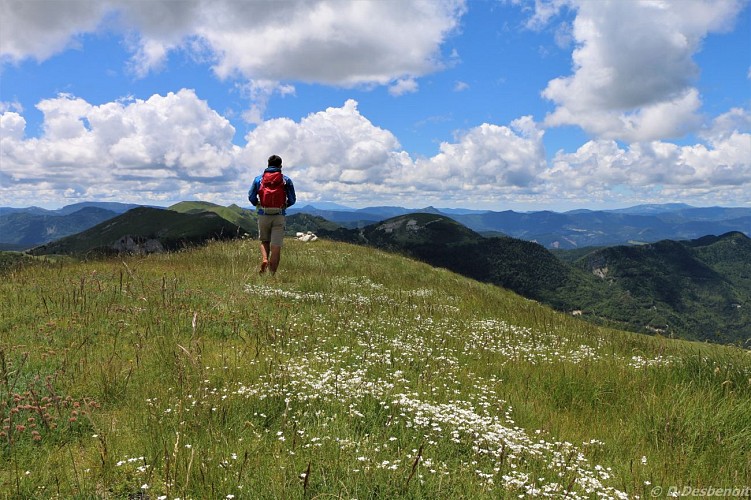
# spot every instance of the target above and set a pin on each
(272, 193)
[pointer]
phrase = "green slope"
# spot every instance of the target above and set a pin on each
(172, 229)
(729, 255)
(352, 373)
(698, 289)
(525, 267)
(182, 224)
(238, 216)
(415, 231)
(302, 222)
(13, 260)
(248, 220)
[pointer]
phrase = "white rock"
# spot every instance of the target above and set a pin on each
(306, 237)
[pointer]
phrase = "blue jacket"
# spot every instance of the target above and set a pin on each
(288, 187)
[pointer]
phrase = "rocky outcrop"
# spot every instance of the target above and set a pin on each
(137, 245)
(306, 236)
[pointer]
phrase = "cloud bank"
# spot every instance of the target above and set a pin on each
(174, 147)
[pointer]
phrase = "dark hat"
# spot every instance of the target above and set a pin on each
(275, 161)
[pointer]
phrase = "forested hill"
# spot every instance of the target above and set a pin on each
(145, 230)
(697, 288)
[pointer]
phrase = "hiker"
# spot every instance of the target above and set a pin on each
(271, 193)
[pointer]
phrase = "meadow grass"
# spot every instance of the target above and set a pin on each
(352, 373)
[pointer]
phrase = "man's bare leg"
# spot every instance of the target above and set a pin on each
(265, 250)
(276, 256)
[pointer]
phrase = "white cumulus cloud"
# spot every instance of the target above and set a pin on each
(336, 42)
(268, 44)
(41, 29)
(336, 149)
(339, 154)
(719, 168)
(137, 149)
(403, 86)
(485, 161)
(633, 71)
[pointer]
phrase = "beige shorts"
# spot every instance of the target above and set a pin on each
(271, 228)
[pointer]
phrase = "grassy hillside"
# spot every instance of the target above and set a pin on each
(241, 217)
(12, 260)
(248, 220)
(352, 373)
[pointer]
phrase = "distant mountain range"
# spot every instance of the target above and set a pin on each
(23, 228)
(574, 229)
(115, 207)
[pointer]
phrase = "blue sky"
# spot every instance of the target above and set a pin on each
(495, 104)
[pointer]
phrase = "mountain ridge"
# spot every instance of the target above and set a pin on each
(574, 229)
(565, 230)
(164, 229)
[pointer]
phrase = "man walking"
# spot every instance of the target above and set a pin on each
(271, 193)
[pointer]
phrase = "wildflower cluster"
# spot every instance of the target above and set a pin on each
(375, 366)
(357, 296)
(516, 343)
(31, 416)
(400, 376)
(501, 453)
(639, 362)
